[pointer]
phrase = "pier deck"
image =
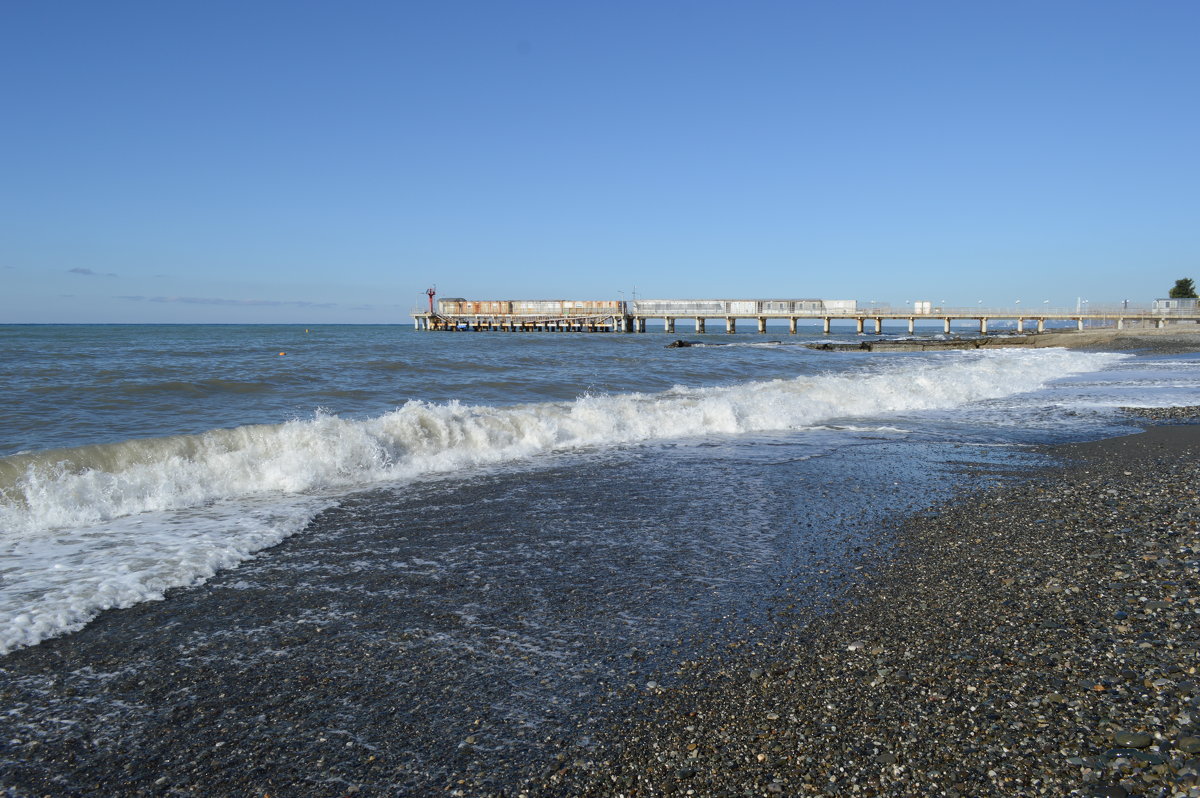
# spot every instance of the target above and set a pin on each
(865, 320)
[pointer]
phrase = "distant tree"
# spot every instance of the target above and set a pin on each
(1184, 289)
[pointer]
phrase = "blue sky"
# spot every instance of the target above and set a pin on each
(322, 162)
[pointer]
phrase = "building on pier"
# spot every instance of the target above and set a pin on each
(561, 315)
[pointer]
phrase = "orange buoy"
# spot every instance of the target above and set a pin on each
(281, 354)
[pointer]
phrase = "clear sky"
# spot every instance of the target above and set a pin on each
(321, 162)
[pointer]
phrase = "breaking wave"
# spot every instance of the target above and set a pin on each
(90, 528)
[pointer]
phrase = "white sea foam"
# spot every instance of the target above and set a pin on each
(86, 529)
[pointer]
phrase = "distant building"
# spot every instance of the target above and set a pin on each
(1175, 305)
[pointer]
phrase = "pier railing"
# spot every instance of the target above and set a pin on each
(632, 317)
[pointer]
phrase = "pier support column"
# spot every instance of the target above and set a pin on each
(1079, 324)
(825, 326)
(669, 324)
(878, 325)
(1158, 324)
(699, 326)
(912, 325)
(762, 325)
(1120, 322)
(730, 325)
(1020, 325)
(858, 323)
(639, 325)
(792, 326)
(946, 326)
(983, 326)
(1041, 327)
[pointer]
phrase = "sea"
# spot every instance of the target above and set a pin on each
(536, 520)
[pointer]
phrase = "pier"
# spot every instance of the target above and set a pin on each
(632, 317)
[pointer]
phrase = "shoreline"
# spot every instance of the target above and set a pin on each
(872, 695)
(1174, 339)
(1037, 638)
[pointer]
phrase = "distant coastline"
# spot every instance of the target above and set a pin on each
(1169, 339)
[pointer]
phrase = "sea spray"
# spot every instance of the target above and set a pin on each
(85, 529)
(76, 487)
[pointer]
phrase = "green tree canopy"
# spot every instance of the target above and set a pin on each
(1184, 289)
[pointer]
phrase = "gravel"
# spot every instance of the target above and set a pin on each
(1037, 639)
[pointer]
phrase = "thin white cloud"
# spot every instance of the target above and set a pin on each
(197, 300)
(90, 273)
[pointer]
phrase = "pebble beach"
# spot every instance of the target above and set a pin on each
(1037, 639)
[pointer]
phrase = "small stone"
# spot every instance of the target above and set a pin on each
(1125, 739)
(857, 645)
(1115, 791)
(1189, 745)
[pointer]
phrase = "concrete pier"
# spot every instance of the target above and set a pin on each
(632, 317)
